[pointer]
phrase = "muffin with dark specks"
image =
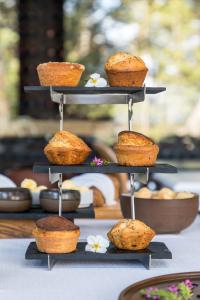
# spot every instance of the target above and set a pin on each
(125, 70)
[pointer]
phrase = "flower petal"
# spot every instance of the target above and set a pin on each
(101, 82)
(89, 248)
(102, 241)
(95, 159)
(89, 83)
(91, 239)
(102, 250)
(105, 243)
(95, 76)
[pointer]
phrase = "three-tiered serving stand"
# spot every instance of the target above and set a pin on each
(98, 96)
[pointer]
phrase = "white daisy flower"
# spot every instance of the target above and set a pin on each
(97, 244)
(96, 80)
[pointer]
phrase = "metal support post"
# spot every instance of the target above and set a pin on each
(132, 196)
(60, 194)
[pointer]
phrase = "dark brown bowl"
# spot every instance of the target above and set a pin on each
(49, 200)
(133, 291)
(164, 216)
(15, 199)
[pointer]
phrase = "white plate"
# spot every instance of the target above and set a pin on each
(86, 199)
(6, 182)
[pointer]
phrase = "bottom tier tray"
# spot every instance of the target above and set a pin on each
(37, 213)
(156, 250)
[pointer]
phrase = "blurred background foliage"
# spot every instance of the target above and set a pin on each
(9, 63)
(165, 33)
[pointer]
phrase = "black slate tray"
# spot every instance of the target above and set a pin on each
(156, 250)
(111, 168)
(37, 213)
(94, 90)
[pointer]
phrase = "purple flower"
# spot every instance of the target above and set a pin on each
(188, 283)
(173, 288)
(148, 293)
(97, 161)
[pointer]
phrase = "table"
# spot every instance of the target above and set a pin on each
(22, 280)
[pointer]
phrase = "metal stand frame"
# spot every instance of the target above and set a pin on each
(54, 177)
(60, 195)
(145, 260)
(132, 195)
(61, 113)
(130, 101)
(156, 250)
(50, 262)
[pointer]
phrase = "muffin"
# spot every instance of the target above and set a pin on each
(56, 234)
(135, 149)
(131, 235)
(126, 70)
(60, 73)
(65, 148)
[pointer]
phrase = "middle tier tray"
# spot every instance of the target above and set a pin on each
(110, 168)
(36, 213)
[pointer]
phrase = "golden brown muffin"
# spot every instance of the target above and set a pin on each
(131, 235)
(56, 234)
(124, 69)
(60, 73)
(65, 148)
(135, 149)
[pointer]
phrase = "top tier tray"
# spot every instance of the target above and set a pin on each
(104, 95)
(111, 168)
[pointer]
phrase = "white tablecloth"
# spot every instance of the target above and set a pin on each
(21, 279)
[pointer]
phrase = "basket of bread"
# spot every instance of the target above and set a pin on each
(166, 211)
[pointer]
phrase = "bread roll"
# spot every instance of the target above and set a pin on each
(184, 195)
(144, 193)
(166, 193)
